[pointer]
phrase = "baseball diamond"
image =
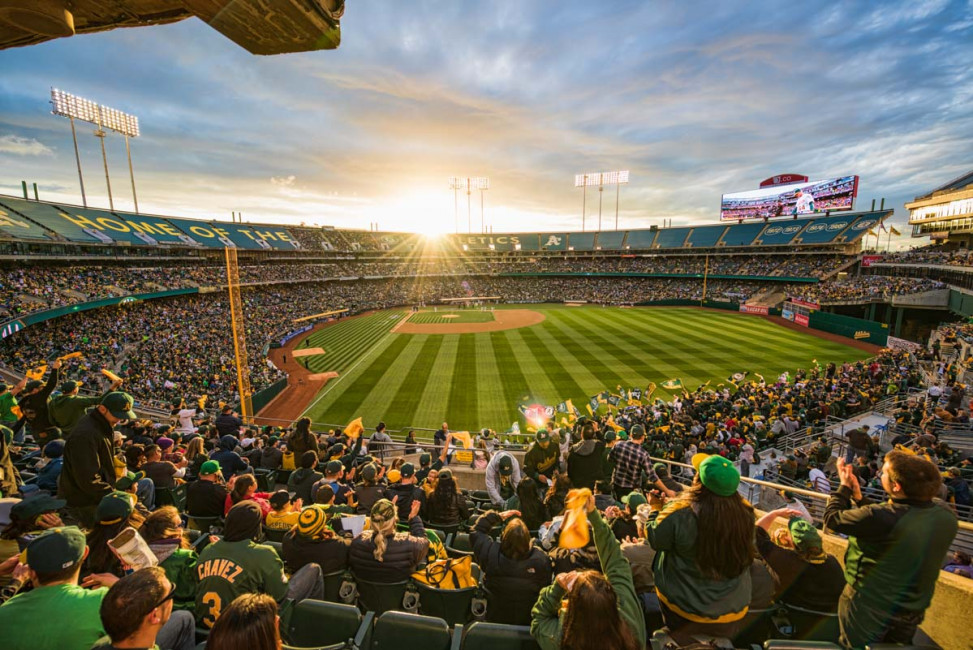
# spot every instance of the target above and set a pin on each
(478, 379)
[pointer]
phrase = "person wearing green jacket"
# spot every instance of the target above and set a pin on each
(540, 461)
(163, 532)
(704, 543)
(67, 408)
(602, 609)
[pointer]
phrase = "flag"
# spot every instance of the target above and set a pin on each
(894, 231)
(574, 530)
(636, 394)
(611, 422)
(649, 390)
(593, 404)
(70, 355)
(354, 428)
(613, 400)
(562, 407)
(603, 396)
(572, 412)
(872, 233)
(622, 394)
(588, 406)
(464, 437)
(881, 226)
(672, 384)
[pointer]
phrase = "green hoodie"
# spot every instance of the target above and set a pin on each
(545, 625)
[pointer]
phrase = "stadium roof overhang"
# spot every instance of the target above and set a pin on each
(259, 26)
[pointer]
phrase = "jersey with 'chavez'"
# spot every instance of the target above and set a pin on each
(230, 569)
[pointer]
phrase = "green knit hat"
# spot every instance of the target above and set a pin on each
(719, 476)
(805, 535)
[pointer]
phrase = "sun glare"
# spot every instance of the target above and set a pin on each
(422, 213)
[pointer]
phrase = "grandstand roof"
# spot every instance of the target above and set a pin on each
(956, 184)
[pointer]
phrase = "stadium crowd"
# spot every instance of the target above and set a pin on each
(865, 288)
(589, 513)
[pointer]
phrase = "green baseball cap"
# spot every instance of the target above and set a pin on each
(542, 436)
(333, 467)
(119, 404)
(505, 465)
(28, 509)
(128, 480)
(446, 473)
(633, 500)
(69, 386)
(610, 435)
(719, 475)
(407, 470)
(209, 468)
(114, 507)
(425, 459)
(56, 549)
(805, 535)
(369, 472)
(637, 431)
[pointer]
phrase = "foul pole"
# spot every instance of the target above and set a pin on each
(239, 334)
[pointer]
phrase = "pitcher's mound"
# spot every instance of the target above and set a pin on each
(503, 319)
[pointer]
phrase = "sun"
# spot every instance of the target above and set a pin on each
(423, 213)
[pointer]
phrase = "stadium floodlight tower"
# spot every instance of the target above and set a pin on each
(74, 107)
(600, 179)
(469, 184)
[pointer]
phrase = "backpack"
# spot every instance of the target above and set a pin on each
(453, 573)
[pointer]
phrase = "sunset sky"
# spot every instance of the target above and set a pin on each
(695, 99)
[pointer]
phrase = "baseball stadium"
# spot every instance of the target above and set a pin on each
(745, 428)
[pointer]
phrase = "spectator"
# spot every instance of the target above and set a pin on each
(859, 444)
(530, 503)
(540, 461)
(137, 612)
(585, 459)
(604, 610)
(284, 512)
(271, 455)
(704, 546)
(195, 456)
(379, 554)
(206, 496)
(54, 560)
(662, 471)
(27, 516)
(446, 506)
(34, 405)
(163, 473)
(791, 502)
(228, 423)
(899, 545)
(623, 524)
(406, 491)
(312, 541)
(115, 513)
(819, 481)
(502, 477)
(958, 487)
(49, 469)
(304, 477)
(959, 564)
(251, 621)
(244, 488)
(806, 576)
(237, 565)
(67, 408)
(89, 464)
(371, 489)
(556, 494)
(514, 570)
(631, 461)
(230, 461)
(164, 534)
(302, 440)
(379, 442)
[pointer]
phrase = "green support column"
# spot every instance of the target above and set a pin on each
(898, 322)
(871, 311)
(888, 315)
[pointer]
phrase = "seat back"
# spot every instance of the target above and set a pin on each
(266, 479)
(205, 524)
(274, 535)
(755, 627)
(317, 623)
(812, 626)
(381, 597)
(402, 631)
(332, 585)
(488, 636)
(786, 644)
(452, 605)
(171, 497)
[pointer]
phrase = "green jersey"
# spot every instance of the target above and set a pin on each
(7, 402)
(66, 410)
(26, 618)
(226, 570)
(180, 568)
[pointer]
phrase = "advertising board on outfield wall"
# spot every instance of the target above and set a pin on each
(802, 319)
(812, 197)
(755, 309)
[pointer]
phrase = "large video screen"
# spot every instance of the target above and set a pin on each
(790, 200)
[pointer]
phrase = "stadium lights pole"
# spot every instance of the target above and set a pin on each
(601, 189)
(131, 175)
(469, 210)
(77, 158)
(600, 179)
(618, 189)
(455, 183)
(100, 134)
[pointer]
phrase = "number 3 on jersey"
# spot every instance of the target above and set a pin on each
(212, 599)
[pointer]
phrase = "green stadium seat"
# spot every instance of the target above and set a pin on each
(787, 644)
(266, 479)
(384, 597)
(459, 546)
(455, 606)
(332, 585)
(205, 524)
(755, 627)
(171, 497)
(489, 636)
(811, 625)
(402, 631)
(448, 529)
(317, 623)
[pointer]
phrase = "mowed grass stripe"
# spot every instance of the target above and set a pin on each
(491, 407)
(582, 351)
(585, 380)
(515, 386)
(378, 400)
(463, 392)
(549, 354)
(532, 364)
(354, 395)
(431, 411)
(345, 342)
(402, 408)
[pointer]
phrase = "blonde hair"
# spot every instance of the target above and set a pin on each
(382, 529)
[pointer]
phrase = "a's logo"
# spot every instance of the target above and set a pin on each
(553, 240)
(861, 334)
(6, 220)
(816, 227)
(774, 231)
(837, 226)
(862, 225)
(790, 230)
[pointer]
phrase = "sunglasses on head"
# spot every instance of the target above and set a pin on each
(168, 597)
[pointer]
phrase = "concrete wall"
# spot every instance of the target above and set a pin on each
(938, 299)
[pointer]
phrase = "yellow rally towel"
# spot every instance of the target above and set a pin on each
(354, 428)
(36, 373)
(574, 530)
(463, 436)
(70, 355)
(112, 377)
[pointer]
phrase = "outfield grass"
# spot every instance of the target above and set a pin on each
(478, 380)
(458, 316)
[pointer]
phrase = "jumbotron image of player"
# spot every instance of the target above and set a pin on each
(805, 202)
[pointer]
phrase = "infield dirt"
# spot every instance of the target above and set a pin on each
(504, 319)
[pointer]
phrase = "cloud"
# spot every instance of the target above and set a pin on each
(283, 181)
(20, 146)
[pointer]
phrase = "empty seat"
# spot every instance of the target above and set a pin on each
(384, 597)
(171, 497)
(316, 623)
(403, 631)
(488, 636)
(274, 535)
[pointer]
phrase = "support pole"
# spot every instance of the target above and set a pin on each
(131, 174)
(584, 199)
(601, 189)
(618, 187)
(456, 209)
(77, 158)
(469, 210)
(482, 221)
(100, 134)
